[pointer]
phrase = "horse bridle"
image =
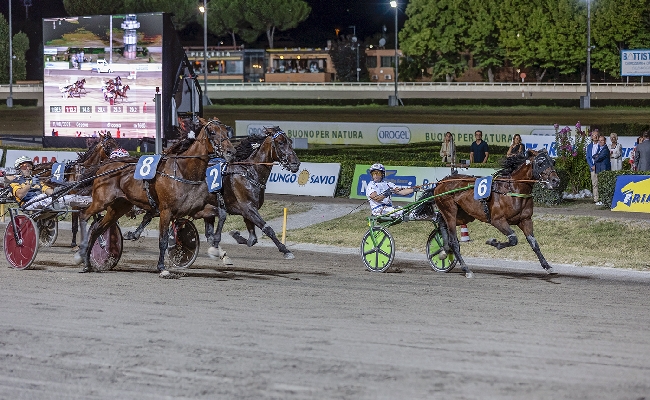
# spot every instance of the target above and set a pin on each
(542, 167)
(217, 147)
(282, 159)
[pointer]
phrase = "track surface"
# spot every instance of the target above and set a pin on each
(319, 326)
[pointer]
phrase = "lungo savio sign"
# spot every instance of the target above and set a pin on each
(394, 134)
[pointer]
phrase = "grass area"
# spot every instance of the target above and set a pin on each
(577, 240)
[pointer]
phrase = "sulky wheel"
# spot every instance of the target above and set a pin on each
(434, 249)
(107, 249)
(48, 230)
(184, 242)
(377, 249)
(21, 245)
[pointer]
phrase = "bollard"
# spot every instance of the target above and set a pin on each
(464, 233)
(284, 227)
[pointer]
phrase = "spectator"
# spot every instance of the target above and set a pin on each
(478, 151)
(601, 159)
(379, 192)
(516, 147)
(615, 153)
(633, 152)
(448, 149)
(30, 193)
(592, 149)
(642, 161)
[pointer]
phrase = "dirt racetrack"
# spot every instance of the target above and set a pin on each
(319, 327)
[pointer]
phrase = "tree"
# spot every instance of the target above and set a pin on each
(20, 44)
(269, 15)
(437, 29)
(483, 36)
(618, 25)
(344, 57)
(227, 17)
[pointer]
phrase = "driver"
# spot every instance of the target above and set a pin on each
(28, 190)
(379, 192)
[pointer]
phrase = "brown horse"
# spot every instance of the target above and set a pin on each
(510, 202)
(178, 188)
(121, 94)
(99, 150)
(244, 183)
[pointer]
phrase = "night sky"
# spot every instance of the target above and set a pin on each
(368, 15)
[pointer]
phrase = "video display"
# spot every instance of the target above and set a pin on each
(101, 74)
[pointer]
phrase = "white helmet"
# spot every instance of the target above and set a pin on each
(377, 167)
(22, 160)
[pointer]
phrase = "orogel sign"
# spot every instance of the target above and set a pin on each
(58, 173)
(483, 188)
(146, 167)
(394, 134)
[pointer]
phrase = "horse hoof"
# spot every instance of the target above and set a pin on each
(442, 255)
(551, 271)
(289, 256)
(75, 249)
(226, 260)
(164, 274)
(491, 242)
(85, 270)
(469, 274)
(77, 259)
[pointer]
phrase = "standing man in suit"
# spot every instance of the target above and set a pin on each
(592, 150)
(642, 156)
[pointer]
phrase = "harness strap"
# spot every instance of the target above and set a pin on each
(182, 180)
(152, 202)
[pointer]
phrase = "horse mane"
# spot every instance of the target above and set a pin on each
(512, 163)
(247, 146)
(93, 142)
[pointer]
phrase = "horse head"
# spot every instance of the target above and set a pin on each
(282, 149)
(543, 168)
(217, 134)
(98, 151)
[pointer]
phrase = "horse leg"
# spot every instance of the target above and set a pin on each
(163, 241)
(214, 236)
(504, 228)
(241, 240)
(75, 228)
(455, 247)
(146, 219)
(256, 220)
(113, 213)
(526, 227)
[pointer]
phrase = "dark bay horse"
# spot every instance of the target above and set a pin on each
(178, 188)
(510, 202)
(99, 150)
(242, 193)
(244, 184)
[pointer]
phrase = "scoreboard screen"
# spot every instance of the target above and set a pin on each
(101, 75)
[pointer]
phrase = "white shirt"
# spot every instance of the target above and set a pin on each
(379, 188)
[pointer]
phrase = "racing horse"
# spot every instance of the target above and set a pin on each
(510, 202)
(177, 189)
(99, 150)
(244, 184)
(121, 94)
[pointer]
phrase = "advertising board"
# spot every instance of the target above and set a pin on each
(632, 194)
(101, 73)
(407, 176)
(635, 62)
(312, 179)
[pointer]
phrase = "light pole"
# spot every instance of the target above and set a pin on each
(394, 5)
(204, 10)
(587, 102)
(10, 100)
(355, 40)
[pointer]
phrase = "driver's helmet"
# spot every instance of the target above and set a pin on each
(22, 160)
(119, 153)
(378, 167)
